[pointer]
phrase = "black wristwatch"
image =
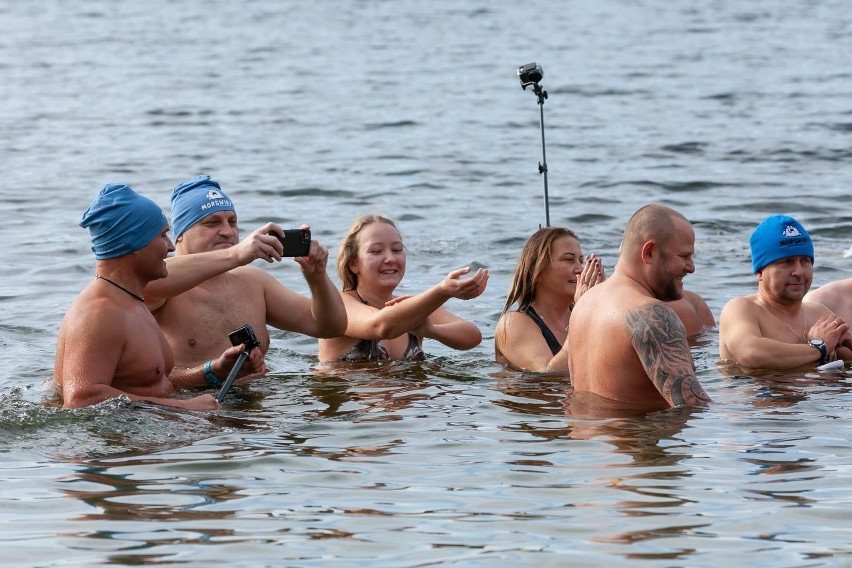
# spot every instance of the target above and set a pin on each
(823, 352)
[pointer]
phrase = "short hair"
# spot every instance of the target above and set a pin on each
(535, 257)
(349, 248)
(651, 222)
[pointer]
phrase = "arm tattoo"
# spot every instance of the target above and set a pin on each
(660, 341)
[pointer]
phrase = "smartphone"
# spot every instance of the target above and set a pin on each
(296, 242)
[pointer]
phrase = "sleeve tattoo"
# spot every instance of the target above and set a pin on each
(660, 341)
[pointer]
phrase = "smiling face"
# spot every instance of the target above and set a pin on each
(380, 261)
(787, 280)
(674, 262)
(566, 263)
(154, 255)
(216, 231)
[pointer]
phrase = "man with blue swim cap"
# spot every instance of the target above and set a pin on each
(774, 328)
(212, 290)
(109, 343)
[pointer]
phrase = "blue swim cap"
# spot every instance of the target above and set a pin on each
(194, 200)
(121, 221)
(777, 237)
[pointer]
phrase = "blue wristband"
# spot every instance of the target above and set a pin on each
(212, 379)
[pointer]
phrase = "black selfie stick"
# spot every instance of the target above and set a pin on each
(238, 364)
(531, 74)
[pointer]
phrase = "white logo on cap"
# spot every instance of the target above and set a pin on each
(791, 231)
(213, 194)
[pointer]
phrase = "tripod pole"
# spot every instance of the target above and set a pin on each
(238, 364)
(542, 166)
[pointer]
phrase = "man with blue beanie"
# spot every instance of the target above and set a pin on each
(212, 290)
(774, 328)
(109, 344)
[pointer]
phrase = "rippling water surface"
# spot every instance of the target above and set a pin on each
(316, 112)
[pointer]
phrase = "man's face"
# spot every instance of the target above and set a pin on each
(786, 280)
(217, 230)
(154, 254)
(674, 262)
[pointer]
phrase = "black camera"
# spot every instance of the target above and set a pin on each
(296, 242)
(530, 74)
(244, 335)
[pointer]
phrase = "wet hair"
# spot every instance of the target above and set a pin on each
(349, 248)
(535, 258)
(651, 222)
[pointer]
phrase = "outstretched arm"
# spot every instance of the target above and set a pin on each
(187, 271)
(450, 329)
(403, 316)
(659, 339)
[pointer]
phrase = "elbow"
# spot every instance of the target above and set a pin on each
(754, 359)
(337, 328)
(386, 330)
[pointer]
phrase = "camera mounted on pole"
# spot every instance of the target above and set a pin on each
(532, 74)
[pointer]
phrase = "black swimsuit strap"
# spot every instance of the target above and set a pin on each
(551, 340)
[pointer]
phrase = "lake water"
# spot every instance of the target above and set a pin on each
(316, 112)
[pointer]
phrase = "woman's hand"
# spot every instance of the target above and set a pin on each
(592, 275)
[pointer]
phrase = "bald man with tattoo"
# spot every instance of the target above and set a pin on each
(627, 343)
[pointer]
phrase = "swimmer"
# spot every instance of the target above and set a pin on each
(627, 343)
(380, 326)
(774, 328)
(109, 344)
(551, 276)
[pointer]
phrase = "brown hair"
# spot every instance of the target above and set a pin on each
(535, 258)
(349, 248)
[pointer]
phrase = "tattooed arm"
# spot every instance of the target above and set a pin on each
(659, 338)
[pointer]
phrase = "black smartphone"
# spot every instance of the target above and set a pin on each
(296, 242)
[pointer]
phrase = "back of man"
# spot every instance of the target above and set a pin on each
(626, 343)
(836, 296)
(603, 358)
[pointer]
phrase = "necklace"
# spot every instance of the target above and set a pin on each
(363, 301)
(120, 287)
(802, 336)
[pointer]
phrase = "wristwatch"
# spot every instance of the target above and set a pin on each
(823, 352)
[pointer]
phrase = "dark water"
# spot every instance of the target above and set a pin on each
(316, 112)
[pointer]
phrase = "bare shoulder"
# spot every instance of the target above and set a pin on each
(832, 290)
(655, 322)
(739, 305)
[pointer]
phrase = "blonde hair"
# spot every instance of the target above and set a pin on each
(535, 258)
(349, 248)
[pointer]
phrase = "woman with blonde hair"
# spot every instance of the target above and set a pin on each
(371, 263)
(549, 278)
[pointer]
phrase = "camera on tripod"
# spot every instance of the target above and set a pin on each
(530, 74)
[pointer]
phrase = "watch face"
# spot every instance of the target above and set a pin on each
(816, 342)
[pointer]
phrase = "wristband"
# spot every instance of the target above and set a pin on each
(211, 377)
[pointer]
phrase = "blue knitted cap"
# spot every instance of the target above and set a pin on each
(777, 237)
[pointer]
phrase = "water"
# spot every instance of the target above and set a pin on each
(318, 112)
